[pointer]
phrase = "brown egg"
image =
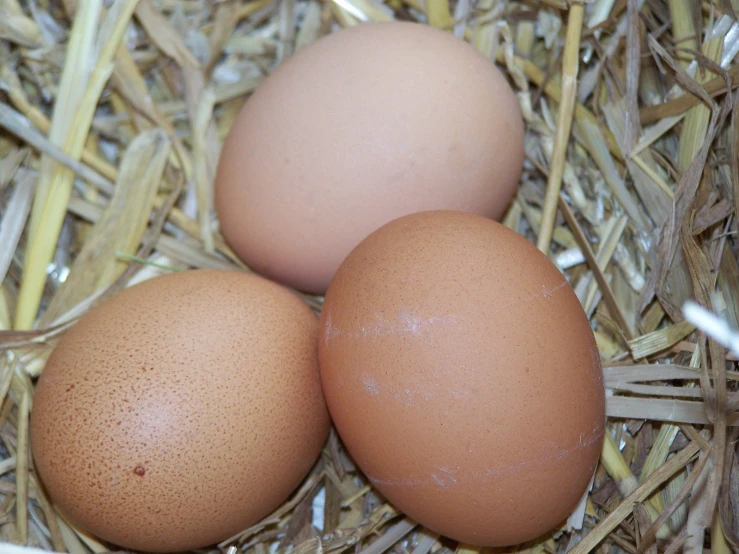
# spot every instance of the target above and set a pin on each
(463, 377)
(181, 410)
(363, 126)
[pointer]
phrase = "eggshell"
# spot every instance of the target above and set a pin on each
(463, 377)
(181, 411)
(363, 126)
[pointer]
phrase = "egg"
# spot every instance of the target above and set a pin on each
(363, 126)
(463, 377)
(181, 410)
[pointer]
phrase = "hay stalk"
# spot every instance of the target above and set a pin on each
(564, 123)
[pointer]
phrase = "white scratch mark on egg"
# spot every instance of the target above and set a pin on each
(446, 479)
(449, 478)
(370, 385)
(546, 293)
(438, 481)
(410, 323)
(407, 323)
(331, 332)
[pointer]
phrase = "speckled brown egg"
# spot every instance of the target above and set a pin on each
(365, 125)
(180, 411)
(462, 375)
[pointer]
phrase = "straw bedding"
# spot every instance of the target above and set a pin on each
(112, 117)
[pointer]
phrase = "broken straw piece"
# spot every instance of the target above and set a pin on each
(711, 325)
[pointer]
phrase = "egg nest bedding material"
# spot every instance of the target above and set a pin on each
(106, 179)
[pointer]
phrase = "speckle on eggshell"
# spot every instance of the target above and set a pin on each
(463, 377)
(181, 411)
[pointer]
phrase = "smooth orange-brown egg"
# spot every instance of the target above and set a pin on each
(462, 375)
(180, 411)
(363, 126)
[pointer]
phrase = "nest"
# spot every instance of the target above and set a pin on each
(112, 117)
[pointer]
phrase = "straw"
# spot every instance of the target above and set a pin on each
(89, 64)
(564, 123)
(639, 494)
(112, 117)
